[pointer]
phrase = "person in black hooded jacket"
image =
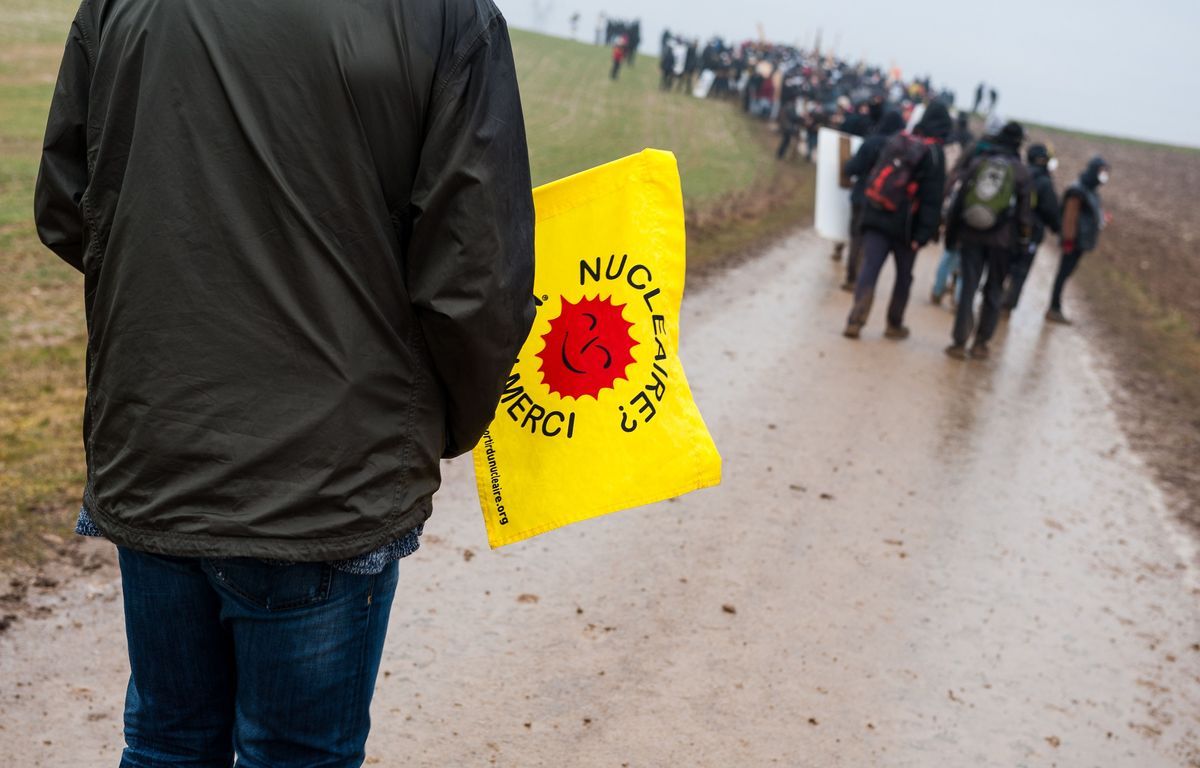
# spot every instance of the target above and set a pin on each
(1082, 220)
(901, 227)
(857, 168)
(1045, 216)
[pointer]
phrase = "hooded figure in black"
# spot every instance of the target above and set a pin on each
(962, 135)
(990, 220)
(1082, 220)
(858, 168)
(1045, 216)
(902, 213)
(858, 122)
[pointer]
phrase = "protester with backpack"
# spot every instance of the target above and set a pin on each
(902, 214)
(950, 265)
(1082, 219)
(990, 218)
(1046, 216)
(858, 168)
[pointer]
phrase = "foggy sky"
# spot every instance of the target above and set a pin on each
(1106, 66)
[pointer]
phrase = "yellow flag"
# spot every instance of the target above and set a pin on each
(597, 415)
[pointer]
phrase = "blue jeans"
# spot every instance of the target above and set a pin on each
(275, 664)
(951, 262)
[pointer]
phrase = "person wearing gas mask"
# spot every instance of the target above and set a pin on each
(1082, 220)
(1046, 215)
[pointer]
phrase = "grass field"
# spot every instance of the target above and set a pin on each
(41, 323)
(576, 118)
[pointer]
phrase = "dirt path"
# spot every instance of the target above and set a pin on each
(928, 563)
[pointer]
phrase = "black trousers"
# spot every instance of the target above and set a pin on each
(1066, 268)
(1017, 274)
(975, 260)
(876, 247)
(785, 143)
(855, 257)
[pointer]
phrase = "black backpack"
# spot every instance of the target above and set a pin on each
(892, 185)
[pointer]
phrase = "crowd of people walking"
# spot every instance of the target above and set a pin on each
(992, 210)
(989, 207)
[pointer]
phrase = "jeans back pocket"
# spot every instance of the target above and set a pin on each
(273, 587)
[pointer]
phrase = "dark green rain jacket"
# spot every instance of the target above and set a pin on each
(306, 236)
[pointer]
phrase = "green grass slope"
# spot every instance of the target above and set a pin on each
(577, 118)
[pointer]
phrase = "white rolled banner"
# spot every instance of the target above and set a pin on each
(917, 114)
(832, 213)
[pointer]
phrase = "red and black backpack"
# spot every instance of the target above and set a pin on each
(892, 185)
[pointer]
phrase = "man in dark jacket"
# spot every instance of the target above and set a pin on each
(306, 237)
(1045, 216)
(857, 168)
(901, 226)
(789, 127)
(1082, 220)
(989, 219)
(666, 63)
(950, 265)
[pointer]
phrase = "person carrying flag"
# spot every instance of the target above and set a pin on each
(298, 299)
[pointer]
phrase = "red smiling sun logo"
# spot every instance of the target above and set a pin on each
(587, 348)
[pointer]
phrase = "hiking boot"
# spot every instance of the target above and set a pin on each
(852, 330)
(935, 298)
(979, 351)
(897, 332)
(1056, 316)
(957, 351)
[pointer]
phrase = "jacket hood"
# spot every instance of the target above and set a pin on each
(1090, 178)
(1011, 136)
(936, 123)
(875, 111)
(1037, 154)
(891, 122)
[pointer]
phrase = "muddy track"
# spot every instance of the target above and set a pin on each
(912, 562)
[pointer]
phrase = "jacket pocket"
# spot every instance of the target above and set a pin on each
(272, 587)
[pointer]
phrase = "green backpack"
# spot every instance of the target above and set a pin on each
(990, 193)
